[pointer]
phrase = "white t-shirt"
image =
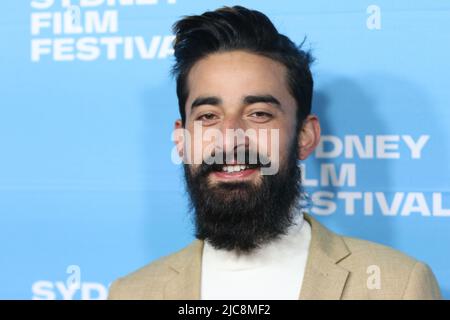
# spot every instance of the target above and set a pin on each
(272, 272)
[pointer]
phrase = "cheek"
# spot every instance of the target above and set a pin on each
(274, 143)
(199, 145)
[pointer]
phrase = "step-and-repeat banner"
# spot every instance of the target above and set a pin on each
(88, 190)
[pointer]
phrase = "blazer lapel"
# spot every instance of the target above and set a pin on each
(185, 284)
(323, 278)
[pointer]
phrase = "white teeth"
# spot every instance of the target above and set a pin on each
(234, 168)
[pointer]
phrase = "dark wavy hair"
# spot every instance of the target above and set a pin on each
(238, 28)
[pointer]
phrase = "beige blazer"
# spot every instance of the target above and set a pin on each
(337, 268)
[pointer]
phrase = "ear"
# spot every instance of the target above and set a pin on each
(309, 136)
(179, 137)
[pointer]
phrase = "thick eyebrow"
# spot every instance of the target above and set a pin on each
(213, 101)
(266, 98)
(216, 101)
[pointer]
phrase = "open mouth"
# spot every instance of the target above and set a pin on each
(233, 171)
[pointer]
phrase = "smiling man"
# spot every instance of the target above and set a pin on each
(244, 93)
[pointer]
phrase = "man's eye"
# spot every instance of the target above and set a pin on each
(207, 116)
(261, 114)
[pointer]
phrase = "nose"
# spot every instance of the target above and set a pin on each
(233, 133)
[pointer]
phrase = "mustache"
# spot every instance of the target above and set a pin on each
(216, 162)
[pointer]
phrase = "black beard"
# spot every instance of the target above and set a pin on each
(242, 216)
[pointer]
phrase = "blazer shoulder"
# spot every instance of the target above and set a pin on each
(399, 275)
(153, 276)
(368, 250)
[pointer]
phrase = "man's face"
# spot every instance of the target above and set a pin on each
(236, 206)
(240, 90)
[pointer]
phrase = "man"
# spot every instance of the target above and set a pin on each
(235, 73)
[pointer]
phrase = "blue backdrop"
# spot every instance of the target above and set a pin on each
(88, 191)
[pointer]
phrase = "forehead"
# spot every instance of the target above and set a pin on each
(235, 74)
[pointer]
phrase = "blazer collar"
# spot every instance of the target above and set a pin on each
(323, 279)
(187, 264)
